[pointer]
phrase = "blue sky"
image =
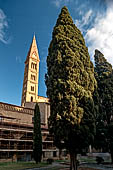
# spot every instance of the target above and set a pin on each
(20, 19)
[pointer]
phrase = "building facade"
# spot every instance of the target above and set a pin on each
(16, 122)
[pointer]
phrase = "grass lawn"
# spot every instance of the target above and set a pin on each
(20, 165)
(87, 159)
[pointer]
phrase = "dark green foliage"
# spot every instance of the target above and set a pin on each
(110, 138)
(70, 85)
(101, 141)
(37, 136)
(104, 77)
(102, 67)
(49, 160)
(99, 160)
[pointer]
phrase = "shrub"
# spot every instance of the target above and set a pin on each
(99, 160)
(49, 160)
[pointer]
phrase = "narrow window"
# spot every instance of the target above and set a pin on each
(32, 119)
(32, 88)
(54, 153)
(32, 77)
(31, 65)
(0, 118)
(31, 98)
(35, 66)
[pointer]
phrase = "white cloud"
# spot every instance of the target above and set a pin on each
(3, 26)
(58, 3)
(96, 25)
(100, 36)
(84, 21)
(87, 17)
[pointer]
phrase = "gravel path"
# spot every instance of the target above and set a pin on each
(53, 165)
(98, 167)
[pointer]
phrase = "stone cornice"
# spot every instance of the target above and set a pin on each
(15, 108)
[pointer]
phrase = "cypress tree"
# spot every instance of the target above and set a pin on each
(110, 139)
(37, 136)
(104, 77)
(70, 85)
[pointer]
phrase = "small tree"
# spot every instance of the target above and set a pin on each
(37, 136)
(70, 85)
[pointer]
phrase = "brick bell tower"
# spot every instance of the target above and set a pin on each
(31, 74)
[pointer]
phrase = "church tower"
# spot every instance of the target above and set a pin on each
(31, 74)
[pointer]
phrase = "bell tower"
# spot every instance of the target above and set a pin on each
(31, 74)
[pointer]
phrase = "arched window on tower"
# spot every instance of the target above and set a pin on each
(31, 98)
(32, 88)
(33, 66)
(32, 77)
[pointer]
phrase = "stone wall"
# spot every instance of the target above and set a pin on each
(44, 110)
(24, 114)
(16, 113)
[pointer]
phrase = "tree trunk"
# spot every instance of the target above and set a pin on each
(60, 154)
(111, 152)
(73, 161)
(111, 157)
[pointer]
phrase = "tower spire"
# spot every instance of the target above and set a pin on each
(33, 49)
(34, 35)
(31, 74)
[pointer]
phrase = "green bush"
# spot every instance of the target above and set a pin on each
(99, 160)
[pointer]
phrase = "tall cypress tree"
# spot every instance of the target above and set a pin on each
(70, 84)
(37, 136)
(104, 77)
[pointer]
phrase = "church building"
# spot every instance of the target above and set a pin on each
(16, 122)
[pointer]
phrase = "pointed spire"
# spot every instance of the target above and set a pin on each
(34, 44)
(34, 36)
(33, 49)
(34, 39)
